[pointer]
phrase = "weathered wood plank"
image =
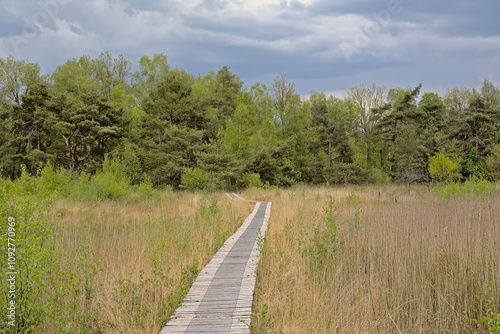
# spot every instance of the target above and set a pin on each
(220, 300)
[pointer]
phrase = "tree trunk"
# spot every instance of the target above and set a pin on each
(72, 162)
(329, 161)
(477, 139)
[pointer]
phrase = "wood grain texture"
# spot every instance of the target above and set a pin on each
(220, 299)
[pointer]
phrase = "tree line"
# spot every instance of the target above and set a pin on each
(213, 132)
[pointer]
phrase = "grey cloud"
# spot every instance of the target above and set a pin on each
(212, 5)
(436, 42)
(246, 27)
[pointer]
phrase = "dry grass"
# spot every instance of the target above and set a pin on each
(420, 265)
(130, 264)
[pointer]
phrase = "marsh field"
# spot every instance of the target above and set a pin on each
(335, 260)
(351, 260)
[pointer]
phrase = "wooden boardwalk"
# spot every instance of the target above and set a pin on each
(220, 300)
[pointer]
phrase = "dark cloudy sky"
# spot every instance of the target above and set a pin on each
(322, 45)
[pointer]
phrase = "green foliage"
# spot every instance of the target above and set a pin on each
(161, 121)
(174, 128)
(194, 179)
(493, 163)
(492, 317)
(325, 245)
(402, 131)
(189, 274)
(131, 163)
(474, 127)
(26, 185)
(444, 167)
(254, 180)
(54, 182)
(471, 187)
(358, 222)
(344, 173)
(272, 165)
(111, 182)
(16, 79)
(378, 176)
(475, 165)
(146, 187)
(261, 320)
(38, 292)
(227, 88)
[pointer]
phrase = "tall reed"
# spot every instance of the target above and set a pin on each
(408, 262)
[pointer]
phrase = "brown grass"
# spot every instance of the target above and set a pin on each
(420, 265)
(130, 264)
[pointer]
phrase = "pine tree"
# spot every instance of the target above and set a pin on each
(401, 130)
(31, 135)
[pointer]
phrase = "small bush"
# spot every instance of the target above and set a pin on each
(326, 243)
(146, 187)
(26, 184)
(254, 180)
(54, 183)
(80, 188)
(110, 183)
(109, 186)
(194, 179)
(445, 167)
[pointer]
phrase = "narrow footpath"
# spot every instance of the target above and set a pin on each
(220, 300)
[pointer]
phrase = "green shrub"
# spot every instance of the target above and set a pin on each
(80, 188)
(254, 180)
(32, 244)
(493, 163)
(375, 175)
(194, 179)
(26, 184)
(475, 165)
(471, 187)
(110, 183)
(48, 293)
(132, 167)
(109, 186)
(54, 183)
(326, 244)
(445, 167)
(146, 187)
